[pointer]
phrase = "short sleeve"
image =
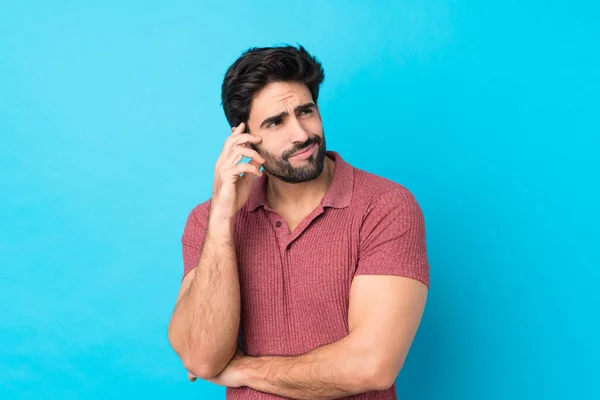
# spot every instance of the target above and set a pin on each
(193, 236)
(392, 238)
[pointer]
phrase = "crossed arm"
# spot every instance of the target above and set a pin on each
(384, 314)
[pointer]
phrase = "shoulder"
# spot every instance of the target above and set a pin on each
(374, 192)
(196, 222)
(201, 210)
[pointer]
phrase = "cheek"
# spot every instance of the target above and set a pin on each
(265, 150)
(274, 144)
(314, 126)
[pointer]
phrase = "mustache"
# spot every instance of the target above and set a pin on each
(302, 146)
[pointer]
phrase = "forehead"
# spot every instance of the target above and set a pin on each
(277, 97)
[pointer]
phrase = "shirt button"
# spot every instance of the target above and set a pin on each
(278, 224)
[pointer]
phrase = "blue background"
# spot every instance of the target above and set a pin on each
(110, 125)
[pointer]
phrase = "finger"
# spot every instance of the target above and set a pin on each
(238, 129)
(245, 138)
(256, 163)
(245, 168)
(248, 178)
(234, 141)
(247, 152)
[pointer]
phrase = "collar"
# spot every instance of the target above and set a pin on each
(339, 193)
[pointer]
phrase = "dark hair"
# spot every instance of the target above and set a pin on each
(259, 66)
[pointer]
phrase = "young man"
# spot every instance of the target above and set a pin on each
(306, 280)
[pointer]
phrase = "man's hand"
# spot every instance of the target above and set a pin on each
(230, 190)
(232, 375)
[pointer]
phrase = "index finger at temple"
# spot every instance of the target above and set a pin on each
(239, 129)
(248, 138)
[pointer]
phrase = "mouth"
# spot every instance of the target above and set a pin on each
(305, 153)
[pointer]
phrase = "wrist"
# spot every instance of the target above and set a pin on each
(220, 224)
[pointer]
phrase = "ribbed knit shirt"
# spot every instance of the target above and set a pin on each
(295, 286)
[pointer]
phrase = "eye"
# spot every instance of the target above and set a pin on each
(274, 123)
(306, 111)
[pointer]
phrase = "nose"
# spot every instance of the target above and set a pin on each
(298, 133)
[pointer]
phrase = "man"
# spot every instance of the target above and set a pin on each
(306, 279)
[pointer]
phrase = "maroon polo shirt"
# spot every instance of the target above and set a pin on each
(295, 286)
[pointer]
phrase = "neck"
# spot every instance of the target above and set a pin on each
(283, 196)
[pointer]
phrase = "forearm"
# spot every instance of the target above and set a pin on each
(205, 323)
(336, 370)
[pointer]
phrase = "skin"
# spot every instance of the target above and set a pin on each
(384, 311)
(205, 323)
(295, 185)
(384, 314)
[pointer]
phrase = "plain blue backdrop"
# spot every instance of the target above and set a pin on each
(110, 125)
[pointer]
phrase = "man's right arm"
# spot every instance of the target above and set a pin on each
(204, 326)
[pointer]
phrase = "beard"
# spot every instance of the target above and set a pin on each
(281, 168)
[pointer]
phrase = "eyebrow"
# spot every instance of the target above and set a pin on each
(277, 117)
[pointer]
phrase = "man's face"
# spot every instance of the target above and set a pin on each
(285, 116)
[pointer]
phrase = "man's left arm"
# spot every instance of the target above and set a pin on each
(384, 314)
(387, 299)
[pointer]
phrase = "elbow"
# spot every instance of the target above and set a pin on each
(205, 368)
(196, 362)
(382, 381)
(381, 375)
(201, 370)
(202, 361)
(192, 364)
(200, 366)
